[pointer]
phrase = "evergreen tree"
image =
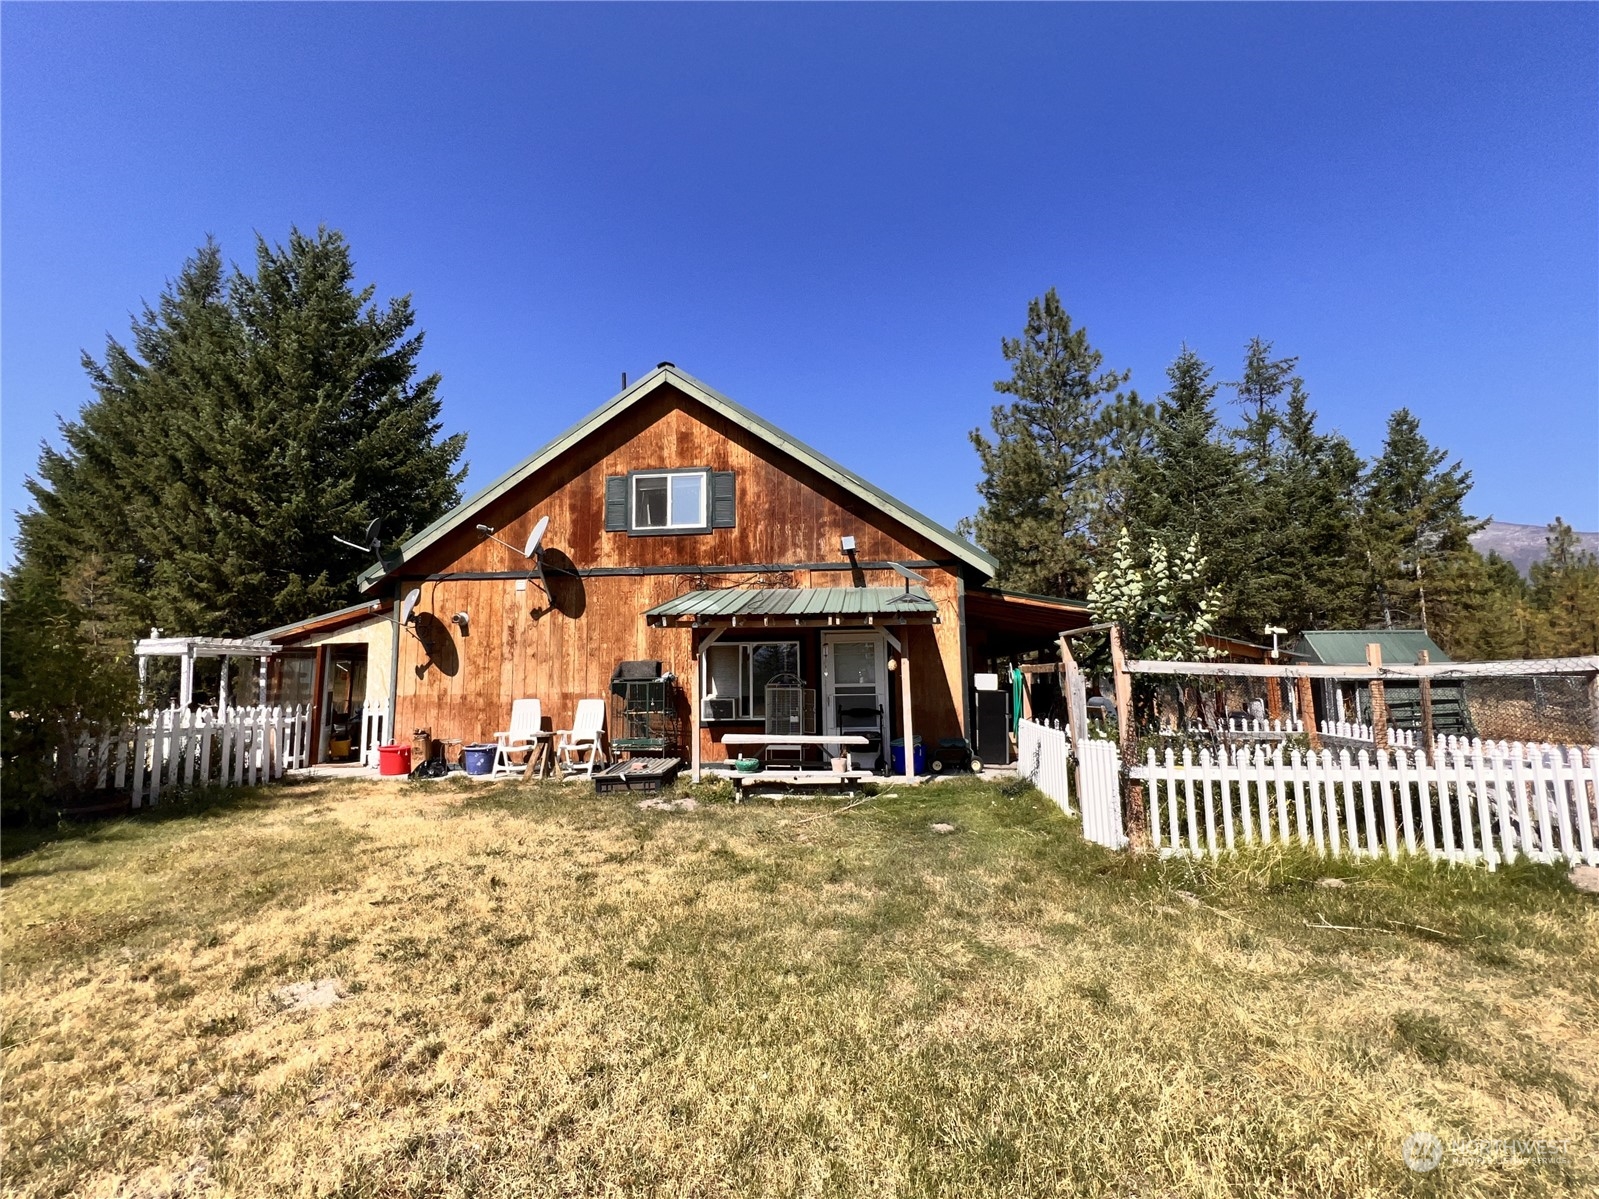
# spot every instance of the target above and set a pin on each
(1493, 615)
(1264, 381)
(1047, 471)
(254, 417)
(1303, 574)
(1414, 531)
(1565, 595)
(1182, 480)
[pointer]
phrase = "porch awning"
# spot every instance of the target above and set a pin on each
(758, 606)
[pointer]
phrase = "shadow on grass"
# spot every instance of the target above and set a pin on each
(178, 803)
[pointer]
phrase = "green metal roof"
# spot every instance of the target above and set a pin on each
(666, 373)
(1347, 647)
(793, 603)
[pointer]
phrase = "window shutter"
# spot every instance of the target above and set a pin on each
(723, 497)
(616, 503)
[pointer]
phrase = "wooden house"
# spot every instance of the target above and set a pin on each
(680, 527)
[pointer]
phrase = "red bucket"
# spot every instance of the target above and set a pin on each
(394, 759)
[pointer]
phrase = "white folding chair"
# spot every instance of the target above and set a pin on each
(581, 748)
(527, 719)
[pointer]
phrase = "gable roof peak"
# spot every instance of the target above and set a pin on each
(669, 373)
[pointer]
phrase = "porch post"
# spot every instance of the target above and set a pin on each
(694, 697)
(261, 673)
(222, 689)
(905, 708)
(186, 678)
(693, 707)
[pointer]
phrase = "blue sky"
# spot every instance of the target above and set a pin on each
(833, 214)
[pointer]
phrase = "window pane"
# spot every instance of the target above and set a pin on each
(649, 502)
(688, 500)
(768, 661)
(724, 680)
(855, 663)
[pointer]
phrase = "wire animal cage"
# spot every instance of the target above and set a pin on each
(644, 710)
(790, 706)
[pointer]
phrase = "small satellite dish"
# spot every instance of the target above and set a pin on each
(910, 576)
(408, 605)
(536, 538)
(373, 537)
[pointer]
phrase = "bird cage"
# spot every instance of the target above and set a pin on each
(644, 710)
(790, 706)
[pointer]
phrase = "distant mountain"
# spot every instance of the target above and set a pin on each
(1522, 544)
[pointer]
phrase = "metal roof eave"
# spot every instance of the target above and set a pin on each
(716, 401)
(314, 624)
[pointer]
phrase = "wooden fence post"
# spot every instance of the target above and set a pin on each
(1307, 711)
(1379, 698)
(1127, 732)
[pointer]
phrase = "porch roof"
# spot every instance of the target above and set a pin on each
(796, 606)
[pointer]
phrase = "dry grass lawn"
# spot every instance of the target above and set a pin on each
(549, 993)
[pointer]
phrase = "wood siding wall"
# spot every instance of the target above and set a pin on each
(462, 684)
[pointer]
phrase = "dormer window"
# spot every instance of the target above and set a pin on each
(670, 500)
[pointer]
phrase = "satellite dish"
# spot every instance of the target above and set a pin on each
(408, 605)
(536, 538)
(910, 576)
(373, 537)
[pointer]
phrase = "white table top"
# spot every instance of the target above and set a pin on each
(794, 739)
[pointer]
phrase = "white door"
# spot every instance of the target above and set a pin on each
(855, 690)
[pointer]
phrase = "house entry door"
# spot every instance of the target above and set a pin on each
(855, 692)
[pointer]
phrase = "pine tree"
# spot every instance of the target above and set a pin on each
(1047, 471)
(1264, 381)
(1182, 480)
(1493, 615)
(1565, 595)
(1414, 530)
(254, 417)
(1305, 576)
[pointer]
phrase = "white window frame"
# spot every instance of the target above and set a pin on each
(745, 709)
(701, 519)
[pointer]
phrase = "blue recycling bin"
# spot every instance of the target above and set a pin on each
(897, 752)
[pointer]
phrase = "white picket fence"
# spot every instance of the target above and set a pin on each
(1099, 793)
(1044, 757)
(1264, 728)
(1347, 730)
(373, 726)
(1472, 806)
(177, 747)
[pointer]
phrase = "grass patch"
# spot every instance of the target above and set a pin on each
(550, 993)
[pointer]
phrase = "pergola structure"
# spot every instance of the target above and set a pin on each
(187, 649)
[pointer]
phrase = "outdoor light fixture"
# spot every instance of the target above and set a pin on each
(461, 620)
(846, 545)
